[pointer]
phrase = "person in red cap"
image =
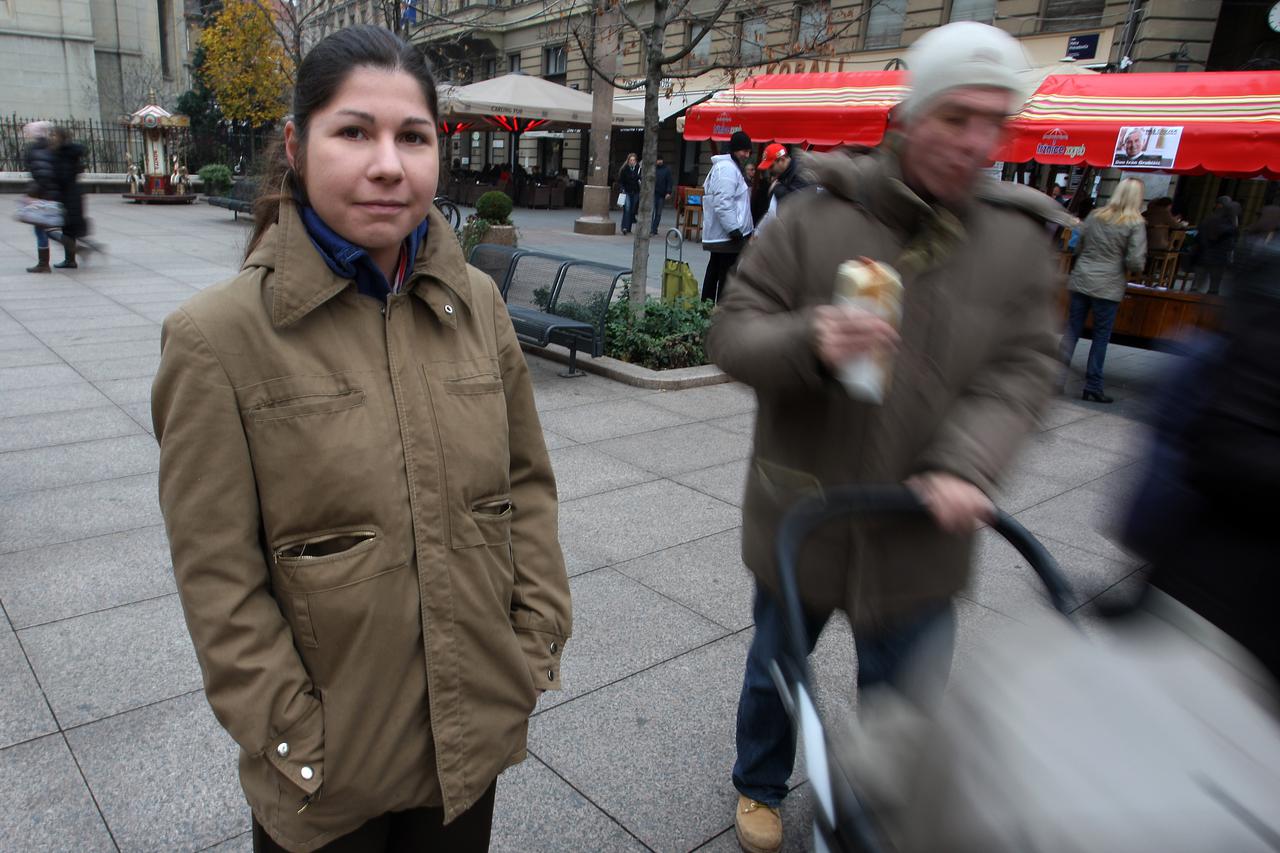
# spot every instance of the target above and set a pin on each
(787, 177)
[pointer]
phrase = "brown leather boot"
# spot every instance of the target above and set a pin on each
(43, 264)
(759, 827)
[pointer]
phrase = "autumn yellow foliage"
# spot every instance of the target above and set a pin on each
(244, 66)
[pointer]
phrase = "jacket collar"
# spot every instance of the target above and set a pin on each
(350, 261)
(302, 279)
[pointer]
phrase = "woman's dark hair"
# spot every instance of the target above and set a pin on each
(323, 71)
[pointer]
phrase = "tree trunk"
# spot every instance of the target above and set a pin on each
(644, 216)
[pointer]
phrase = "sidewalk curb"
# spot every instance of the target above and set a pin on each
(634, 374)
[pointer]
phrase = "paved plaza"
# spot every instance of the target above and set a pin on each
(106, 741)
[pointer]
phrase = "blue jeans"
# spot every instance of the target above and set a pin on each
(657, 214)
(42, 237)
(629, 210)
(766, 740)
(1104, 317)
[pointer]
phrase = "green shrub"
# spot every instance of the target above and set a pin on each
(494, 207)
(471, 234)
(215, 178)
(662, 337)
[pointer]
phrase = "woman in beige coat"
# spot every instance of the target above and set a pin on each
(1113, 242)
(354, 481)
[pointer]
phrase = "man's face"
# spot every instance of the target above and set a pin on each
(780, 165)
(952, 141)
(1133, 144)
(742, 156)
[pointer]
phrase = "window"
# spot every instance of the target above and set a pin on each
(513, 63)
(490, 69)
(554, 63)
(812, 22)
(884, 24)
(983, 11)
(701, 53)
(1063, 15)
(753, 32)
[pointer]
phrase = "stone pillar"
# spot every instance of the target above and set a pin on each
(595, 195)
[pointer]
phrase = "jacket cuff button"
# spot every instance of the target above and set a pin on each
(283, 750)
(307, 773)
(553, 648)
(551, 675)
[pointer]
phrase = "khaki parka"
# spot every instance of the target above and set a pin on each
(971, 375)
(362, 517)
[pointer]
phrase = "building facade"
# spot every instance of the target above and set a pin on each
(89, 59)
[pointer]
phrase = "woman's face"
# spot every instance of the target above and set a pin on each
(370, 164)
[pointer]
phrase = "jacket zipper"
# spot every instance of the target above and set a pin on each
(362, 535)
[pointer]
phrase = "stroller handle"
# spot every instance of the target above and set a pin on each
(803, 518)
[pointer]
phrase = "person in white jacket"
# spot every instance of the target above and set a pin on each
(726, 213)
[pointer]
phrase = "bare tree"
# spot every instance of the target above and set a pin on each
(296, 23)
(659, 64)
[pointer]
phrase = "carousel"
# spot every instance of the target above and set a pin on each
(158, 176)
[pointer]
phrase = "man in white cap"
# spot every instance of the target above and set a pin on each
(972, 365)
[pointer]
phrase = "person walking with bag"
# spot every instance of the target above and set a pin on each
(629, 181)
(358, 497)
(44, 184)
(1113, 245)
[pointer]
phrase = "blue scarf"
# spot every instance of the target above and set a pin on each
(351, 261)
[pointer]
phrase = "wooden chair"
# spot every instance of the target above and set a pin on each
(1162, 267)
(689, 212)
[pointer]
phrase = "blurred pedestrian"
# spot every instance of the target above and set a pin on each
(972, 366)
(357, 494)
(663, 186)
(629, 180)
(726, 213)
(68, 163)
(1113, 246)
(1215, 241)
(44, 186)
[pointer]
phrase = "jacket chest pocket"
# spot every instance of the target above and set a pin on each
(469, 403)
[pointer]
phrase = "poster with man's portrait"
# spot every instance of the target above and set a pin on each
(1147, 147)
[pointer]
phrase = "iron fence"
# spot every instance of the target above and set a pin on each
(106, 145)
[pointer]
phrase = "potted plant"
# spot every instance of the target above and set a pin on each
(494, 208)
(215, 179)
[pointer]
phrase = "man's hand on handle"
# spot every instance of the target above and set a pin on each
(957, 505)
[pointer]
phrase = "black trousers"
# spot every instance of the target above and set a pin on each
(407, 832)
(719, 265)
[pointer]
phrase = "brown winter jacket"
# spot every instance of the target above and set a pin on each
(362, 517)
(973, 371)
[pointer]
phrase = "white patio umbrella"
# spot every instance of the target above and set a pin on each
(517, 103)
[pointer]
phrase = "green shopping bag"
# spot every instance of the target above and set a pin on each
(678, 281)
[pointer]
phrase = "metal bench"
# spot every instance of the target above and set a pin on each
(551, 298)
(241, 198)
(495, 261)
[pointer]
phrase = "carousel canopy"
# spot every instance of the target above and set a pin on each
(822, 109)
(518, 102)
(153, 115)
(1225, 122)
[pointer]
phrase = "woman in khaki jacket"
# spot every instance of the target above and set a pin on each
(358, 497)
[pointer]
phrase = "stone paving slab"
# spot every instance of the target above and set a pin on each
(83, 462)
(164, 776)
(58, 429)
(24, 713)
(44, 804)
(115, 660)
(53, 516)
(61, 581)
